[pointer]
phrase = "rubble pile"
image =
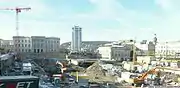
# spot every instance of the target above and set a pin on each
(96, 74)
(95, 70)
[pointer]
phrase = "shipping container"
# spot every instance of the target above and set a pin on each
(19, 82)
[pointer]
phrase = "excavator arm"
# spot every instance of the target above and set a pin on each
(141, 79)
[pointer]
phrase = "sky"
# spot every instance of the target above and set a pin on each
(101, 20)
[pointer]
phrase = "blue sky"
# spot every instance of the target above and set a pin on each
(100, 19)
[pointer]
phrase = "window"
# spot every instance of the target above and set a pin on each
(34, 50)
(22, 50)
(38, 50)
(18, 40)
(22, 40)
(41, 50)
(29, 41)
(22, 45)
(25, 45)
(25, 40)
(29, 50)
(29, 45)
(19, 45)
(57, 41)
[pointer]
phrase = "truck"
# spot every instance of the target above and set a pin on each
(19, 82)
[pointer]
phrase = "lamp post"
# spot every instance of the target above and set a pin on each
(155, 43)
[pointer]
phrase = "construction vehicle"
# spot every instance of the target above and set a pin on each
(140, 79)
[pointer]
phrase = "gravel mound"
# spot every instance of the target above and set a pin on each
(95, 70)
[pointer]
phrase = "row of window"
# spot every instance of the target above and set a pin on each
(46, 41)
(35, 50)
(36, 41)
(23, 41)
(22, 45)
(23, 50)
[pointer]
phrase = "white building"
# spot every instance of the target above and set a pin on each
(76, 39)
(22, 43)
(7, 44)
(52, 44)
(168, 49)
(114, 52)
(38, 44)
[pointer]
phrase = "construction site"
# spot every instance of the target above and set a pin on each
(48, 70)
(128, 74)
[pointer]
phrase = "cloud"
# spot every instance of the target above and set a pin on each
(122, 22)
(38, 9)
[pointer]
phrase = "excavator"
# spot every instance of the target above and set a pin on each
(140, 79)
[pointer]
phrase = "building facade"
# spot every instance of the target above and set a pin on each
(145, 48)
(7, 44)
(76, 39)
(52, 44)
(168, 49)
(38, 44)
(114, 52)
(22, 43)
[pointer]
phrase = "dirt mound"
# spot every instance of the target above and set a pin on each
(97, 74)
(95, 70)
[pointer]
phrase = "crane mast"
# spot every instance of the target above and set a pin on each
(17, 10)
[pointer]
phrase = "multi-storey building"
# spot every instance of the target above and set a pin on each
(168, 49)
(76, 39)
(52, 44)
(7, 44)
(22, 43)
(114, 52)
(38, 44)
(123, 50)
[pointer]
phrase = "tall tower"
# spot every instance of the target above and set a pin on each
(76, 39)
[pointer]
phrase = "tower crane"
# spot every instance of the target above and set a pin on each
(17, 10)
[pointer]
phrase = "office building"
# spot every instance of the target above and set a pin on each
(114, 52)
(168, 49)
(22, 43)
(38, 44)
(76, 39)
(52, 44)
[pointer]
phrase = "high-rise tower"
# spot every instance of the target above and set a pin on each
(76, 39)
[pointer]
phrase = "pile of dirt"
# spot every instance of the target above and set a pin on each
(95, 70)
(97, 74)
